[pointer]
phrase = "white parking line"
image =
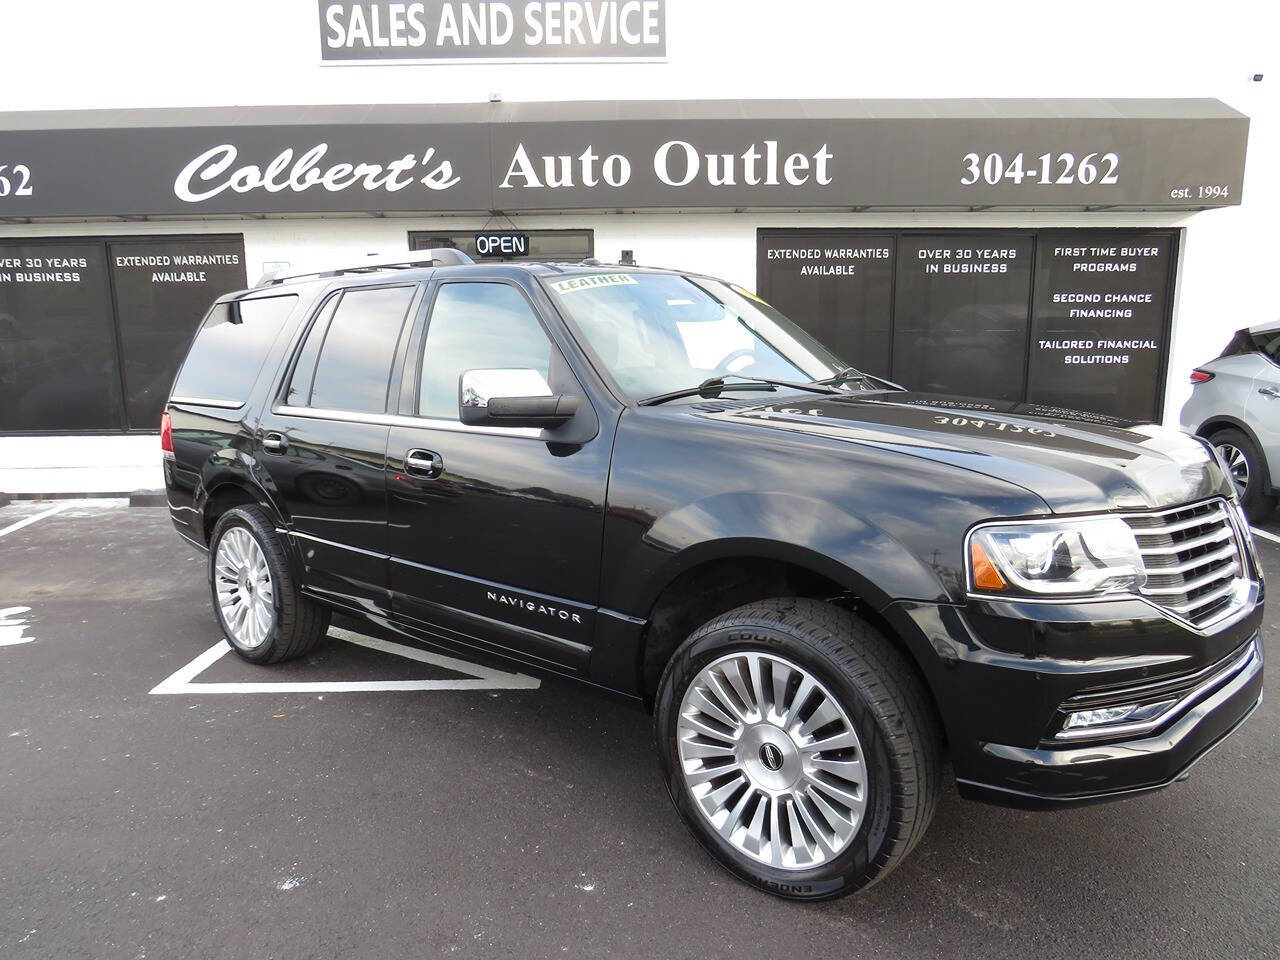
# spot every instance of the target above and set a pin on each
(13, 625)
(39, 516)
(1266, 535)
(478, 677)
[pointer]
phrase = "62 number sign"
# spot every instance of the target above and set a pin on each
(15, 180)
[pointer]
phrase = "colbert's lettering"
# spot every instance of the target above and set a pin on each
(210, 173)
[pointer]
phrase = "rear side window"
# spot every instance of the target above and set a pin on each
(228, 351)
(354, 365)
(1270, 344)
(1265, 342)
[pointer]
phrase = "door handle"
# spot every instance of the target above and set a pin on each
(1271, 392)
(275, 442)
(423, 463)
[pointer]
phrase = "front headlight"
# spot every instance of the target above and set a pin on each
(1056, 558)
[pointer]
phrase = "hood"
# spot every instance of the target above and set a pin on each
(1074, 461)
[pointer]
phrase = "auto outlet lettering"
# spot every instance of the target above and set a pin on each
(211, 173)
(676, 163)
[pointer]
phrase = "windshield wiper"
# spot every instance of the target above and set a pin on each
(712, 388)
(849, 373)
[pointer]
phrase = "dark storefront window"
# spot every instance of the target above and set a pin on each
(92, 330)
(1073, 318)
(58, 361)
(562, 245)
(162, 289)
(835, 275)
(1098, 331)
(960, 316)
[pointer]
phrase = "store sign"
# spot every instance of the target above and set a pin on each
(467, 158)
(502, 244)
(383, 31)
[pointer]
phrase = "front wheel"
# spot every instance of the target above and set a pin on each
(799, 746)
(259, 607)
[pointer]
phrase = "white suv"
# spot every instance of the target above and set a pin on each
(1236, 405)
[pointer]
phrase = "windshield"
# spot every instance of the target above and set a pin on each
(661, 332)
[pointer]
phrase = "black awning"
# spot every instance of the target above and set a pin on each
(623, 155)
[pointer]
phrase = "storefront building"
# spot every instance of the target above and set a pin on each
(1060, 238)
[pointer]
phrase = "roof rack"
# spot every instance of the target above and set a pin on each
(439, 257)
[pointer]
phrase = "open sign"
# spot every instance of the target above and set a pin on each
(502, 244)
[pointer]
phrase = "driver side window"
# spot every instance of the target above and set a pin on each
(477, 326)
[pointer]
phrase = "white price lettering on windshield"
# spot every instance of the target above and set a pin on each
(592, 281)
(15, 180)
(1048, 169)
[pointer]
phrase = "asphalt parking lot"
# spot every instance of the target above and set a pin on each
(161, 800)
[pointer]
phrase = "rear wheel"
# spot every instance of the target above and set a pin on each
(799, 747)
(1248, 472)
(259, 607)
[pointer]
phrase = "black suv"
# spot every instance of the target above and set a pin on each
(822, 585)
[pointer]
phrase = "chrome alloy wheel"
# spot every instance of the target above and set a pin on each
(1237, 463)
(772, 760)
(243, 583)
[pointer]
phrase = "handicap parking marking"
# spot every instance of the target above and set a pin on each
(27, 521)
(12, 626)
(476, 676)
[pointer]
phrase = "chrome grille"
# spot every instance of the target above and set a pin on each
(1193, 559)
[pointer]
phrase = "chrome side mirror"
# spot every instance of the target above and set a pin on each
(511, 398)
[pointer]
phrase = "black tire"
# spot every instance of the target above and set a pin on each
(887, 705)
(1256, 498)
(299, 624)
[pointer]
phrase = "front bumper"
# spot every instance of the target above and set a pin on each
(1005, 678)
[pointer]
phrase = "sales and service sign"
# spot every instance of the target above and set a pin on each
(460, 158)
(390, 31)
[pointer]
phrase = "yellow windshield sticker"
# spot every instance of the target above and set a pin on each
(747, 293)
(590, 281)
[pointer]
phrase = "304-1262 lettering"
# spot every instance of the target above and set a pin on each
(1050, 169)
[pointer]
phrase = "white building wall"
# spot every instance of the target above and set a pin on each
(83, 54)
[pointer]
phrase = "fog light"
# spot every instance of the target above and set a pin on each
(1095, 721)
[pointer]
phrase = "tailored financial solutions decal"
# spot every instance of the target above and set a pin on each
(476, 161)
